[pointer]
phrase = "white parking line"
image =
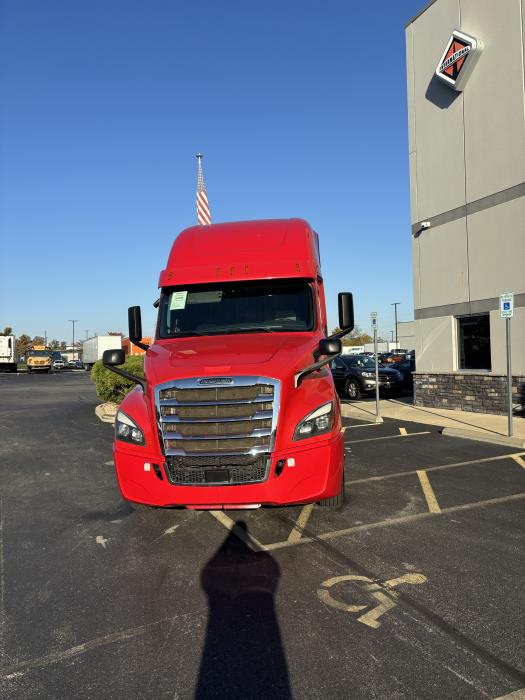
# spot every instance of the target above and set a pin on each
(394, 521)
(392, 437)
(383, 477)
(360, 425)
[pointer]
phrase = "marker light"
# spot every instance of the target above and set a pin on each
(316, 423)
(127, 430)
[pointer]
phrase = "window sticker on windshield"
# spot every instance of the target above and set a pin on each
(178, 300)
(211, 297)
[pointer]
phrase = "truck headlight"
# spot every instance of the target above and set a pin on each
(316, 423)
(127, 430)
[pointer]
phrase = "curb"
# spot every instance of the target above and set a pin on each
(106, 412)
(349, 412)
(484, 437)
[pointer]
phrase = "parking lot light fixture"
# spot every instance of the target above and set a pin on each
(73, 321)
(395, 304)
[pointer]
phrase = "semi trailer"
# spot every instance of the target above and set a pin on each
(237, 408)
(8, 353)
(93, 348)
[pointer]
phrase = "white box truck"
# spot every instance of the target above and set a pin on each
(8, 353)
(93, 348)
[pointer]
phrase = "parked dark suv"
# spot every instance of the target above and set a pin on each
(405, 368)
(355, 375)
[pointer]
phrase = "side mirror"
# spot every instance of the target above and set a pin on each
(346, 311)
(135, 327)
(113, 357)
(330, 346)
(134, 323)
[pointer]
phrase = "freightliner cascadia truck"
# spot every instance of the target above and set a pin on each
(238, 407)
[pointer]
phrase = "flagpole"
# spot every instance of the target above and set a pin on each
(203, 208)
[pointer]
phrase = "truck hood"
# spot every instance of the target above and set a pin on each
(276, 355)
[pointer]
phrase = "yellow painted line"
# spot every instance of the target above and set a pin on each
(394, 521)
(300, 524)
(391, 437)
(403, 431)
(519, 460)
(428, 492)
(436, 468)
(516, 695)
(235, 529)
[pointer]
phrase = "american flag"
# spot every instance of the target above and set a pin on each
(203, 209)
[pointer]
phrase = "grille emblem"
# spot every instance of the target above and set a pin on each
(215, 381)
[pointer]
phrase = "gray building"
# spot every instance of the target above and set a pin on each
(467, 182)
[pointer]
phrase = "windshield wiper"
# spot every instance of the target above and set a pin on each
(255, 329)
(186, 334)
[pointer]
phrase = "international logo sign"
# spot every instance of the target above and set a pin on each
(458, 59)
(215, 381)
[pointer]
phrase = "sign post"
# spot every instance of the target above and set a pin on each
(506, 311)
(373, 320)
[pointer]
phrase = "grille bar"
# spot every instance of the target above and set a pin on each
(261, 415)
(258, 432)
(260, 398)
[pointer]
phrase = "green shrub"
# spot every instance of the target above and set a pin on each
(113, 387)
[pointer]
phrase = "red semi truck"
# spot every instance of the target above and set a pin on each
(238, 407)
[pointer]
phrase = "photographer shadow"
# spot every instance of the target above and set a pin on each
(243, 656)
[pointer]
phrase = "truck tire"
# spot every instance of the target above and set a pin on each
(29, 370)
(337, 501)
(352, 390)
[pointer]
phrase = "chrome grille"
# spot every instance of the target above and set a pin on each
(234, 418)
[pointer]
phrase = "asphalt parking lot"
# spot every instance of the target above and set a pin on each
(413, 590)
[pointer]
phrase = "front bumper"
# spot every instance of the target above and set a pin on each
(316, 475)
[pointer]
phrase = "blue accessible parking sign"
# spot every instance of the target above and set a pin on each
(506, 305)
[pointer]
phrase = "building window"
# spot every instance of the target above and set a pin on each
(474, 342)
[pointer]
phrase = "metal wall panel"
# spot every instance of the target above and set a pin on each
(496, 246)
(443, 265)
(416, 277)
(494, 98)
(438, 115)
(436, 344)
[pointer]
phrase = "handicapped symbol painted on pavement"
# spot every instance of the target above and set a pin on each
(383, 593)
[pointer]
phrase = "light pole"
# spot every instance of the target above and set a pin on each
(73, 321)
(395, 304)
(392, 336)
(45, 338)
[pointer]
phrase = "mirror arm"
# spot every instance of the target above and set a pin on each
(127, 375)
(143, 346)
(312, 368)
(340, 334)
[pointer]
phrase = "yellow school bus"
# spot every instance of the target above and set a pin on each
(39, 359)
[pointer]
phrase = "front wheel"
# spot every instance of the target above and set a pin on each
(337, 501)
(352, 390)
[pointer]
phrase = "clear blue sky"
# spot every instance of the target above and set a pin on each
(298, 106)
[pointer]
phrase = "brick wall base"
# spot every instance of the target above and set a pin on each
(479, 393)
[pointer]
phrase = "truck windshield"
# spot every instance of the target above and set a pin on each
(237, 307)
(39, 353)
